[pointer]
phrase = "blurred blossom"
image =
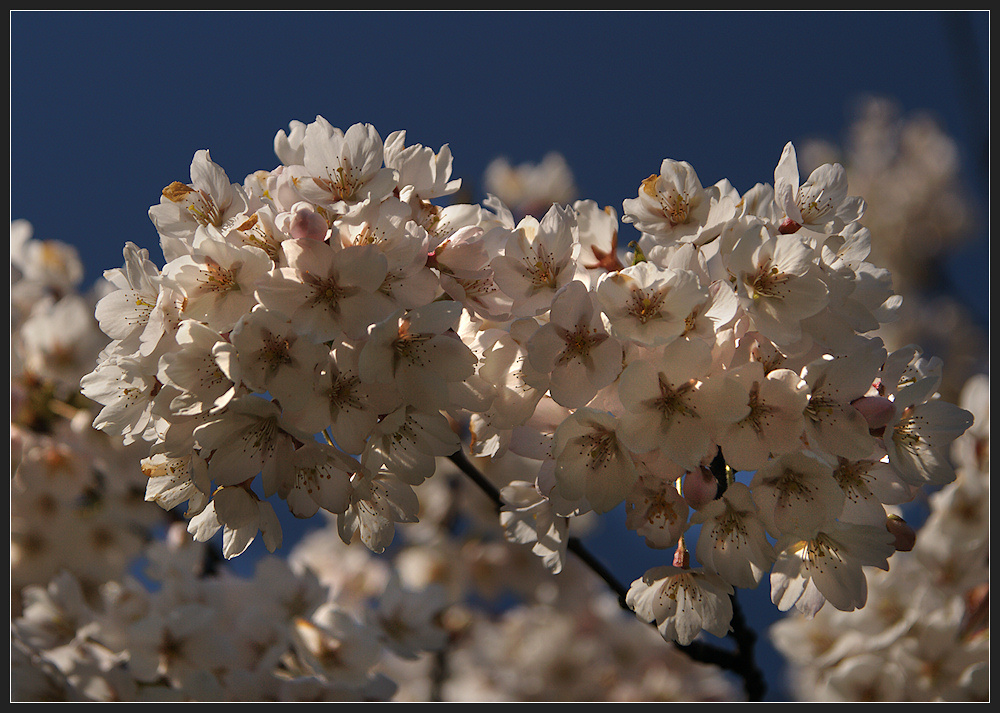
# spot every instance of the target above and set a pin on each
(530, 188)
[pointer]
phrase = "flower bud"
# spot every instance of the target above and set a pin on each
(788, 226)
(877, 410)
(682, 559)
(904, 534)
(700, 487)
(305, 222)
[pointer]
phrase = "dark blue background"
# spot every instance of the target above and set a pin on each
(109, 107)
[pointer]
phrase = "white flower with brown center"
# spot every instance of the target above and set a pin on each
(672, 205)
(574, 347)
(733, 541)
(539, 259)
(591, 463)
(828, 565)
(649, 305)
(774, 421)
(776, 278)
(671, 403)
(682, 602)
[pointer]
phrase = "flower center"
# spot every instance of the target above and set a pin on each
(672, 401)
(768, 282)
(541, 270)
(645, 307)
(579, 343)
(216, 278)
(601, 445)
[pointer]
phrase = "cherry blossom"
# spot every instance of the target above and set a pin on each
(273, 356)
(327, 291)
(539, 258)
(323, 480)
(796, 492)
(126, 391)
(428, 173)
(341, 168)
(774, 421)
(173, 480)
(598, 234)
(42, 266)
(528, 518)
(649, 305)
(208, 206)
(241, 515)
(575, 349)
(820, 203)
(217, 280)
(832, 422)
(654, 508)
(378, 501)
(205, 370)
(682, 602)
(124, 313)
(672, 403)
(418, 352)
(733, 540)
(407, 442)
(338, 400)
(173, 644)
(671, 205)
(591, 463)
(776, 278)
(517, 389)
(248, 438)
(828, 566)
(917, 438)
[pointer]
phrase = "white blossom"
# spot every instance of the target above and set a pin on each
(209, 206)
(820, 203)
(650, 305)
(538, 260)
(592, 464)
(671, 205)
(733, 540)
(528, 518)
(575, 349)
(682, 602)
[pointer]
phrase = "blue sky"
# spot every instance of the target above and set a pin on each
(107, 108)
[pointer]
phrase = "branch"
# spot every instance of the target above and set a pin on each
(741, 661)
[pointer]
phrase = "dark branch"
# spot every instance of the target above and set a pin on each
(718, 469)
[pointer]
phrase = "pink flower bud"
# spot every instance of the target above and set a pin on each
(307, 223)
(700, 488)
(905, 536)
(681, 557)
(877, 410)
(788, 226)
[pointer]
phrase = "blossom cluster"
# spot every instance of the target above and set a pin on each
(923, 210)
(112, 601)
(924, 635)
(103, 607)
(335, 326)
